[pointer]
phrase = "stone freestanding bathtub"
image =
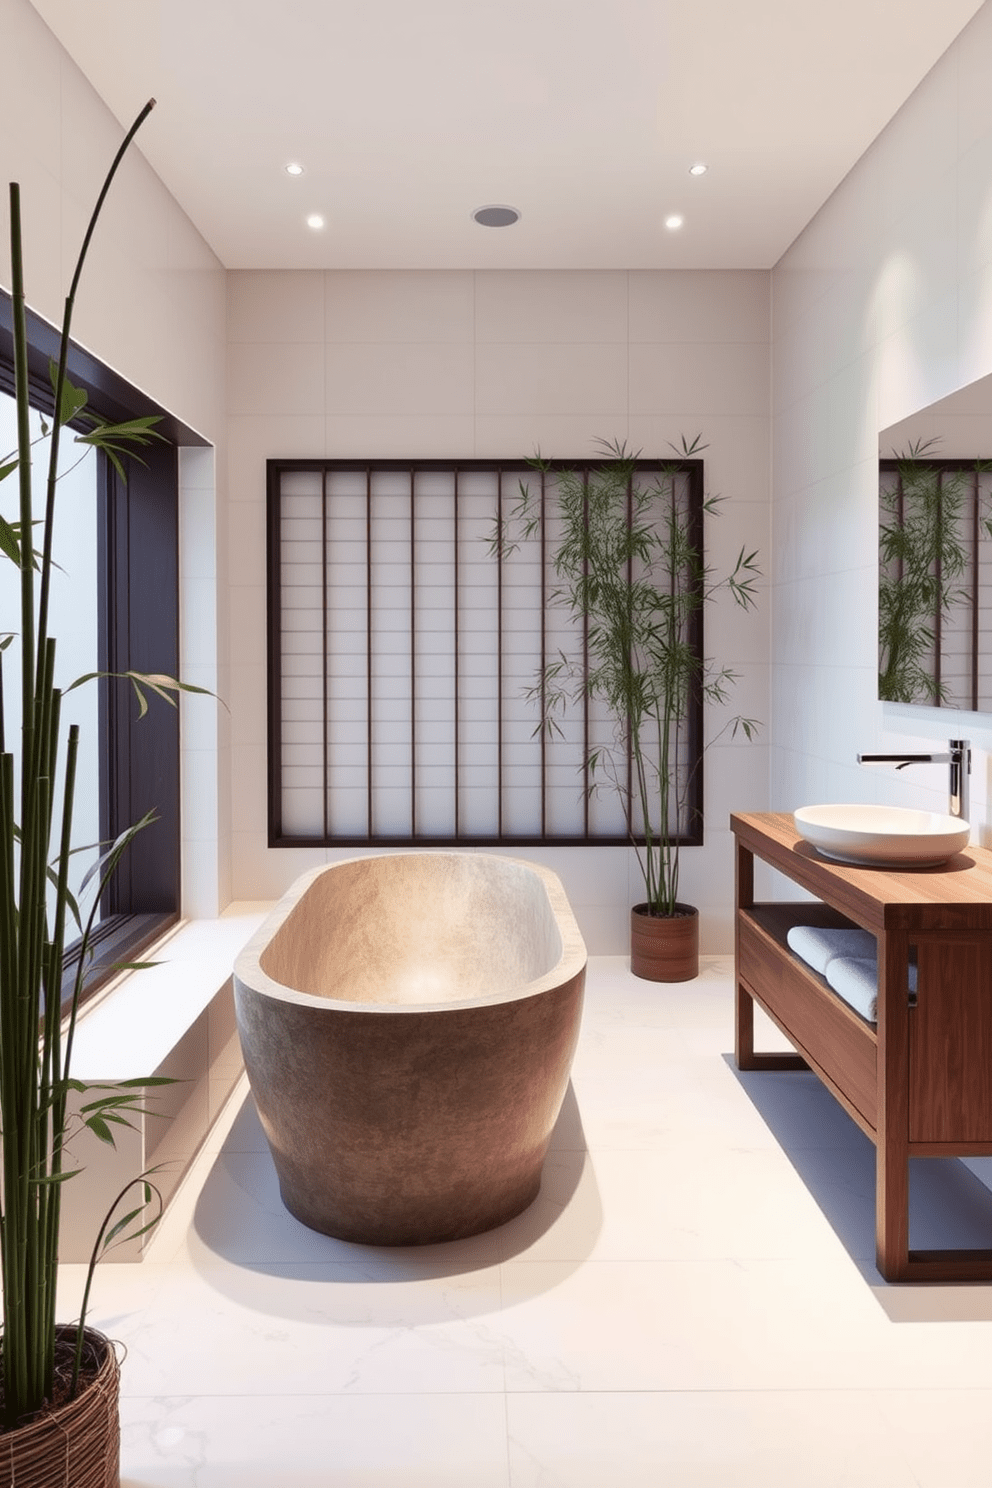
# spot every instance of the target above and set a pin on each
(408, 1024)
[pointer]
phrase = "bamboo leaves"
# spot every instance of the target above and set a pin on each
(72, 400)
(155, 682)
(10, 544)
(108, 1233)
(117, 440)
(631, 573)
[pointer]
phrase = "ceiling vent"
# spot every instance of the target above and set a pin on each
(496, 216)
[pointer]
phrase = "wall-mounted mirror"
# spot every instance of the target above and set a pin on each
(935, 554)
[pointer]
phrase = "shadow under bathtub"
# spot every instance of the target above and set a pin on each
(950, 1199)
(240, 1217)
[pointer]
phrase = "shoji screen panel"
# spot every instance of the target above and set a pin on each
(402, 648)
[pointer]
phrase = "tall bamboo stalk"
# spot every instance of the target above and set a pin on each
(34, 1070)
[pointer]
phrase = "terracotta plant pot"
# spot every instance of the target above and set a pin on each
(665, 948)
(77, 1445)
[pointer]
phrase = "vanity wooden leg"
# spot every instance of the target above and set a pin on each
(892, 1210)
(892, 1143)
(744, 1055)
(743, 1005)
(743, 1029)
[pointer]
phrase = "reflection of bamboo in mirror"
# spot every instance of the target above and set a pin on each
(932, 515)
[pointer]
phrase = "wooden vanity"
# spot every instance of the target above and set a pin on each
(919, 1082)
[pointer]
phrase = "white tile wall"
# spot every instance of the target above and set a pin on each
(502, 363)
(882, 305)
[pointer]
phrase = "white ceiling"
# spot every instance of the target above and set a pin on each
(583, 114)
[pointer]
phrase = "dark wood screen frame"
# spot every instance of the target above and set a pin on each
(278, 837)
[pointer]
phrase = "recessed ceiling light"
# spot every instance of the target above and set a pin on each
(315, 221)
(496, 216)
(699, 169)
(294, 169)
(674, 222)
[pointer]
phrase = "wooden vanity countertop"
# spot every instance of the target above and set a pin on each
(955, 896)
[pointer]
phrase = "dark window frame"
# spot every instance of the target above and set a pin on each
(692, 835)
(138, 581)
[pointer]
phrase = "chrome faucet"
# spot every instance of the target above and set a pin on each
(958, 757)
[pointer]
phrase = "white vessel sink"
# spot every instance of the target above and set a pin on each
(882, 836)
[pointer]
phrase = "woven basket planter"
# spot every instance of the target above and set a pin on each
(75, 1445)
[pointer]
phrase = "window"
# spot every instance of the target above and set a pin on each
(401, 652)
(130, 611)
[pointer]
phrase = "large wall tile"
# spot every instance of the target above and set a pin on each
(704, 305)
(406, 436)
(540, 306)
(555, 378)
(555, 436)
(395, 305)
(971, 54)
(275, 306)
(406, 377)
(699, 378)
(266, 378)
(253, 440)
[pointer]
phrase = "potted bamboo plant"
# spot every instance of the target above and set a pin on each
(58, 1410)
(634, 579)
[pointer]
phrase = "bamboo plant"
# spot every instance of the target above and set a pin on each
(40, 906)
(634, 579)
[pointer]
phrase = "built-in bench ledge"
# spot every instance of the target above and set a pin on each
(175, 1019)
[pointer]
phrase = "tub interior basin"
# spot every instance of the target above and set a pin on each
(416, 929)
(882, 836)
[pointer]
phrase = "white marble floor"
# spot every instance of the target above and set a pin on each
(692, 1302)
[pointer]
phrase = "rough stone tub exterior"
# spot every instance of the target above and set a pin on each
(408, 1024)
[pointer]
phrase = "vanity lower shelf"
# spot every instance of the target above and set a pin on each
(919, 1082)
(832, 1039)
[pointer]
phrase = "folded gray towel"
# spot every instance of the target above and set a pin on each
(818, 947)
(848, 960)
(855, 978)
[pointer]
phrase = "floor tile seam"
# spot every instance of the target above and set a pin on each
(683, 1146)
(854, 1392)
(508, 1442)
(842, 1261)
(278, 1268)
(161, 1397)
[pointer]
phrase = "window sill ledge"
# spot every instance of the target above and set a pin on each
(175, 1019)
(131, 1026)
